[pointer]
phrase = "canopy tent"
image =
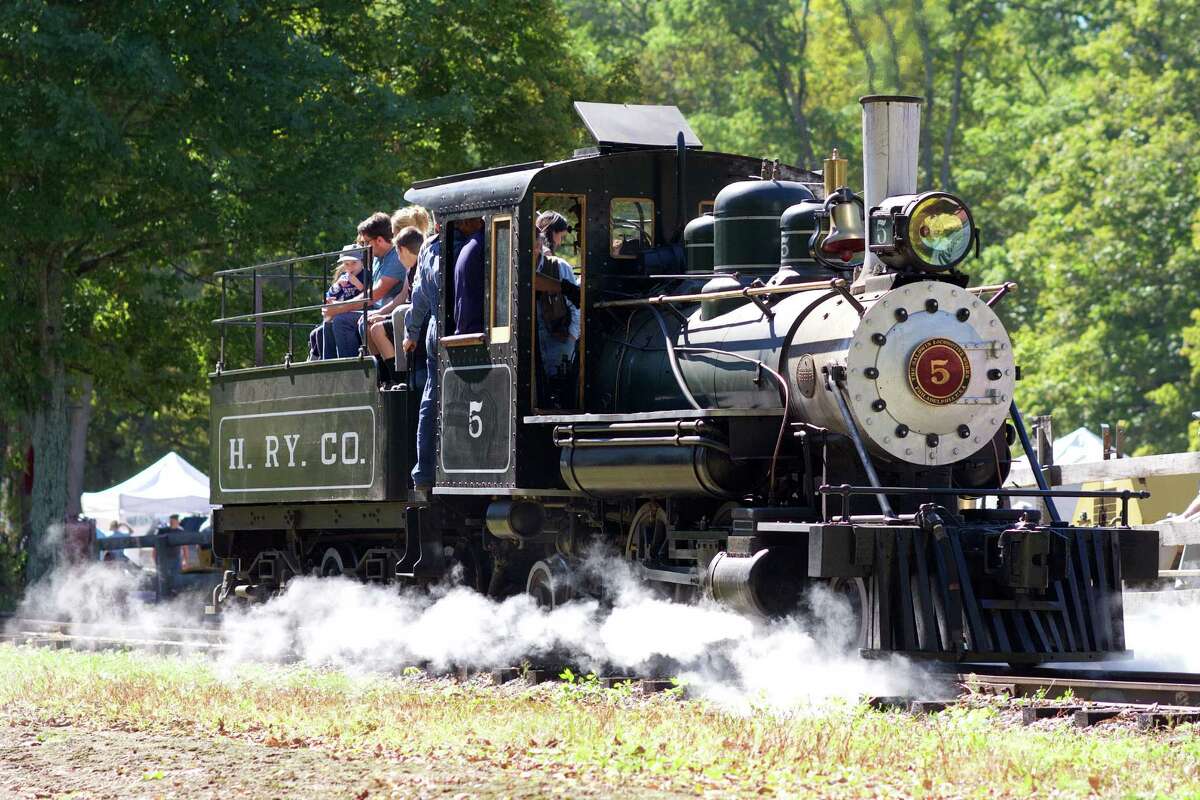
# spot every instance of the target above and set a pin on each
(1080, 446)
(168, 486)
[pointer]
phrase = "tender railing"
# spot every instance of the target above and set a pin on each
(261, 319)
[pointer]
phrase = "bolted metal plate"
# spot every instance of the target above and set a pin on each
(932, 371)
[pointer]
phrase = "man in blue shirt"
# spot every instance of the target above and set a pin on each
(468, 278)
(387, 273)
(426, 304)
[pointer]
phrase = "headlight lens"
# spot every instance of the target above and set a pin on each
(929, 232)
(940, 231)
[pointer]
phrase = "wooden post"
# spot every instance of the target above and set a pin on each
(259, 355)
(1043, 438)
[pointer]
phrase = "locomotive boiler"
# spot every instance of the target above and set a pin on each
(781, 386)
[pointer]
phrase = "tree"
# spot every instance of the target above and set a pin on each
(134, 135)
(1108, 248)
(145, 147)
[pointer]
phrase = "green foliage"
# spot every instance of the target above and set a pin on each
(144, 146)
(1066, 127)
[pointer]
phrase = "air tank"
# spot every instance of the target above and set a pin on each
(698, 243)
(746, 230)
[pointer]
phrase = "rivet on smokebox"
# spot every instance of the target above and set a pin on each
(871, 373)
(901, 430)
(879, 405)
(931, 305)
(932, 440)
(962, 315)
(902, 314)
(964, 432)
(879, 339)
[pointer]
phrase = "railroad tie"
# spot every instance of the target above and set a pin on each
(1149, 720)
(1087, 717)
(1031, 714)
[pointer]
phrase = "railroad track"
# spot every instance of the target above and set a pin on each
(108, 636)
(1087, 696)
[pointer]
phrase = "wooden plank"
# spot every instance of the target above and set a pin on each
(1111, 470)
(1173, 534)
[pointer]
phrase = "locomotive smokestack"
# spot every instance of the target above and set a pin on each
(891, 135)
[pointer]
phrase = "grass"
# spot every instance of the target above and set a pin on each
(613, 734)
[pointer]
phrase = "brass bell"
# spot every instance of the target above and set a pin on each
(847, 233)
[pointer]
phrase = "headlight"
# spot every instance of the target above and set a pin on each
(930, 232)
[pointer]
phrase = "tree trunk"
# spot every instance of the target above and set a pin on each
(928, 58)
(960, 57)
(49, 425)
(861, 43)
(81, 416)
(893, 47)
(7, 524)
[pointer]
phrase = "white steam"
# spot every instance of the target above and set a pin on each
(720, 654)
(1159, 629)
(110, 599)
(344, 624)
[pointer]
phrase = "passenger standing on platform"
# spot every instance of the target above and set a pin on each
(387, 274)
(468, 278)
(424, 313)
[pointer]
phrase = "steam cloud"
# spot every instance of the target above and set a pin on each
(738, 662)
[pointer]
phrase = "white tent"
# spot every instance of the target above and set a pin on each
(168, 486)
(1080, 446)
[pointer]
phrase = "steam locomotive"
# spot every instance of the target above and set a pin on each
(780, 385)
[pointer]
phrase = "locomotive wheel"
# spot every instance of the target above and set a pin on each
(551, 582)
(649, 524)
(854, 592)
(337, 561)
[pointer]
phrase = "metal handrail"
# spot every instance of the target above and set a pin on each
(258, 318)
(1124, 495)
(280, 263)
(757, 291)
(284, 312)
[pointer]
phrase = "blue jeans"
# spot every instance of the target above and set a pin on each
(425, 470)
(345, 335)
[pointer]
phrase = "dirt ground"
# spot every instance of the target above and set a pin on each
(68, 761)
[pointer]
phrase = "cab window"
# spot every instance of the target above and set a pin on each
(500, 255)
(559, 327)
(630, 226)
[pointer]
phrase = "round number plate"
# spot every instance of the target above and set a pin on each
(939, 371)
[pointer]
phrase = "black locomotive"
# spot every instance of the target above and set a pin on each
(780, 385)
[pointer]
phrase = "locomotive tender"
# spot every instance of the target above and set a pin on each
(756, 412)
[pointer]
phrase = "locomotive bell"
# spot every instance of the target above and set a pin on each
(847, 234)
